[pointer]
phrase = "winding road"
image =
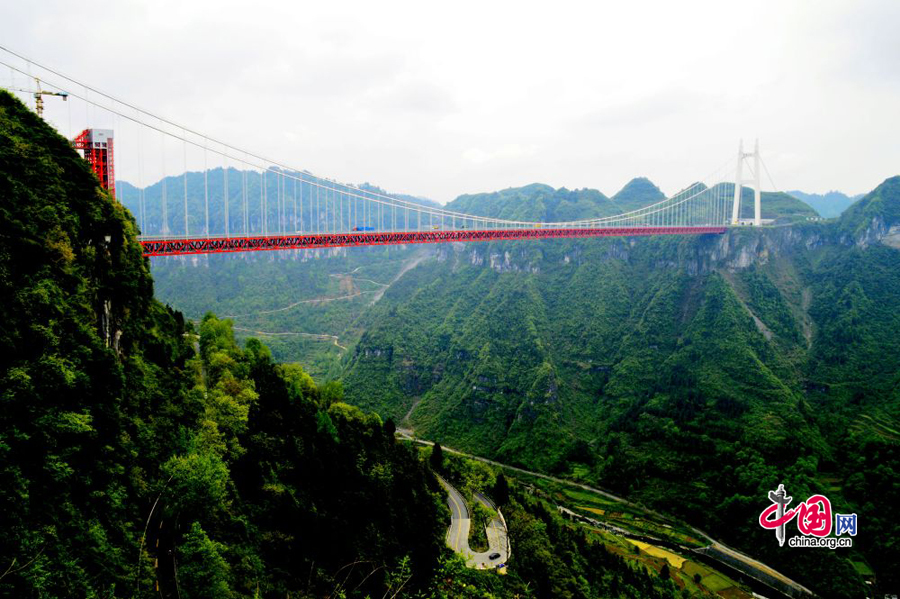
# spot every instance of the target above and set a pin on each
(460, 524)
(735, 559)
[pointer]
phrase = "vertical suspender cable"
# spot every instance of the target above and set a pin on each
(278, 211)
(206, 186)
(265, 184)
(184, 160)
(244, 220)
(225, 193)
(140, 128)
(165, 210)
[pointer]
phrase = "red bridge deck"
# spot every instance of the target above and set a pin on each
(215, 245)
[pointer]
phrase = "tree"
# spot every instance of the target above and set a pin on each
(437, 457)
(204, 573)
(389, 429)
(664, 571)
(501, 490)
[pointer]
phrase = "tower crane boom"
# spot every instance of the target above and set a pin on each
(39, 94)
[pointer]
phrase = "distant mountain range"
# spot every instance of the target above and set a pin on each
(539, 202)
(828, 205)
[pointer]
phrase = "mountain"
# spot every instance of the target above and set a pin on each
(828, 205)
(304, 304)
(146, 456)
(668, 369)
(283, 197)
(776, 205)
(400, 196)
(536, 202)
(130, 440)
(638, 193)
(876, 218)
(641, 192)
(692, 374)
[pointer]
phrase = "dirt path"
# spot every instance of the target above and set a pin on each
(316, 336)
(316, 300)
(416, 402)
(410, 264)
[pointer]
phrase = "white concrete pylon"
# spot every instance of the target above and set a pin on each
(739, 182)
(738, 179)
(757, 195)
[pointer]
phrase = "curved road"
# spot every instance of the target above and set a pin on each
(460, 523)
(749, 564)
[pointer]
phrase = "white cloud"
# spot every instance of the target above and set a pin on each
(439, 100)
(509, 152)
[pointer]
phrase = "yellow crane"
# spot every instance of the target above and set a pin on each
(39, 96)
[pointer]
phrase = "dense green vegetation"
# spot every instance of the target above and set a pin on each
(551, 557)
(536, 202)
(123, 447)
(144, 456)
(304, 305)
(692, 374)
(638, 193)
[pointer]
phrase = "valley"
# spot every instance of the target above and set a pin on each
(504, 300)
(667, 370)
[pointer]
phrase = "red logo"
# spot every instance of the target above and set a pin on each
(813, 516)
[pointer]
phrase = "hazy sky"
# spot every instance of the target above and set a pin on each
(439, 99)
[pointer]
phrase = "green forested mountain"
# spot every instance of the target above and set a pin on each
(403, 196)
(144, 456)
(776, 205)
(285, 198)
(828, 205)
(127, 440)
(638, 193)
(692, 373)
(539, 202)
(305, 305)
(536, 202)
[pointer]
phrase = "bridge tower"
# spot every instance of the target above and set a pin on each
(97, 145)
(739, 181)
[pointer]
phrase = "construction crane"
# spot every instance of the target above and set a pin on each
(39, 96)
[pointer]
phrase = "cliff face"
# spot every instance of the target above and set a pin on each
(604, 303)
(735, 250)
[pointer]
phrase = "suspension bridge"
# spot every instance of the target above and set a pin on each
(209, 196)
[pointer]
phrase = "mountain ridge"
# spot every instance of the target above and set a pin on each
(830, 204)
